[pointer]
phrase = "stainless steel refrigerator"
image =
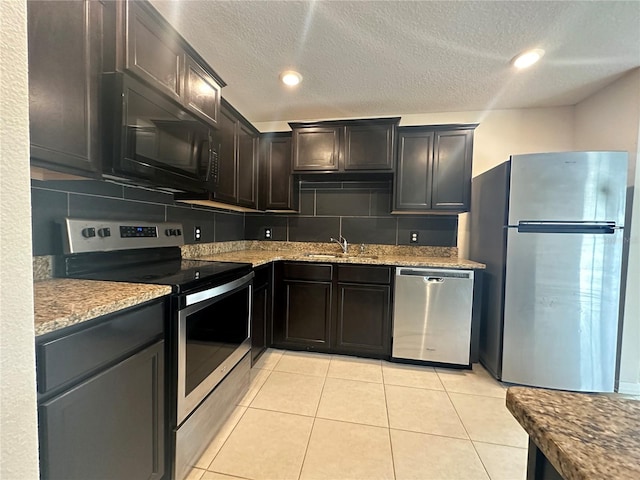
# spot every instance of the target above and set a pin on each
(550, 229)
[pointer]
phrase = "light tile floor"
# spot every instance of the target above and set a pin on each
(313, 416)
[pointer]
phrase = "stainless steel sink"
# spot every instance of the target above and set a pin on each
(339, 255)
(322, 255)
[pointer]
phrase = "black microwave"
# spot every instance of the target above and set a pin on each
(151, 140)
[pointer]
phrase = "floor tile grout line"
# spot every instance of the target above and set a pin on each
(226, 439)
(269, 372)
(499, 444)
(313, 423)
(467, 432)
(386, 406)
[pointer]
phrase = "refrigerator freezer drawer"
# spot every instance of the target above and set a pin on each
(432, 315)
(561, 310)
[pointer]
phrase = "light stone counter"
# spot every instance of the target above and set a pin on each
(584, 436)
(298, 251)
(63, 302)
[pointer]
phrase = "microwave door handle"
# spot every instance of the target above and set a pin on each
(209, 166)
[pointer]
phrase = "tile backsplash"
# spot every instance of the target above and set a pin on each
(360, 211)
(51, 201)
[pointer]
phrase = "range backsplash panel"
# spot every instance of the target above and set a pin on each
(54, 200)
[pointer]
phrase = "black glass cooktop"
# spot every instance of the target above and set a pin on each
(181, 274)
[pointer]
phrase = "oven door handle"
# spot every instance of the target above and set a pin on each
(198, 297)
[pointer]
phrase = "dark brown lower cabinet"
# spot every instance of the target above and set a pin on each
(306, 315)
(261, 319)
(101, 405)
(333, 308)
(111, 425)
(363, 319)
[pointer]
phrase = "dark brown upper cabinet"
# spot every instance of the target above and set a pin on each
(72, 44)
(344, 145)
(276, 184)
(153, 52)
(316, 148)
(157, 54)
(65, 63)
(369, 146)
(201, 92)
(433, 171)
(237, 140)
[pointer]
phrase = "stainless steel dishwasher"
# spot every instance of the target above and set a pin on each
(432, 315)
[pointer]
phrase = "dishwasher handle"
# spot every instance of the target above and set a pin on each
(433, 274)
(433, 279)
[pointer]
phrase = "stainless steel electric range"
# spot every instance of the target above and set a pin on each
(208, 324)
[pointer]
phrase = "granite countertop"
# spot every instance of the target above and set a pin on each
(63, 302)
(585, 436)
(262, 257)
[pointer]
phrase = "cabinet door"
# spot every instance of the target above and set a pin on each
(305, 315)
(261, 314)
(451, 176)
(65, 61)
(247, 166)
(276, 181)
(363, 319)
(413, 173)
(152, 51)
(110, 426)
(201, 92)
(316, 148)
(226, 188)
(369, 147)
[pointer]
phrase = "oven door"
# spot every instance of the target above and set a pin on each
(213, 336)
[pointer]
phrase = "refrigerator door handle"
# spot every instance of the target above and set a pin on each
(567, 227)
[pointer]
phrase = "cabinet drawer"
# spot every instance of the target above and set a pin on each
(306, 271)
(66, 359)
(364, 274)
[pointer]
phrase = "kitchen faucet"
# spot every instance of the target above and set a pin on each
(342, 242)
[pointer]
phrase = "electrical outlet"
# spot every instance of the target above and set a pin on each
(413, 237)
(267, 233)
(197, 233)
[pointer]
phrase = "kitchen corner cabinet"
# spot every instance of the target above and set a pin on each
(65, 63)
(344, 146)
(433, 171)
(157, 54)
(101, 397)
(261, 313)
(276, 184)
(333, 308)
(237, 179)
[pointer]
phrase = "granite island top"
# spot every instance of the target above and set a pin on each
(62, 302)
(262, 257)
(584, 436)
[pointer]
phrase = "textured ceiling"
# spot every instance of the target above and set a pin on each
(368, 58)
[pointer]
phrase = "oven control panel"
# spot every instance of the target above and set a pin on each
(82, 235)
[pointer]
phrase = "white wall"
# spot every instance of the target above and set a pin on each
(501, 133)
(18, 424)
(610, 120)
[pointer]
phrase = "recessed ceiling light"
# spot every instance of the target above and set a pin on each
(290, 78)
(528, 58)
